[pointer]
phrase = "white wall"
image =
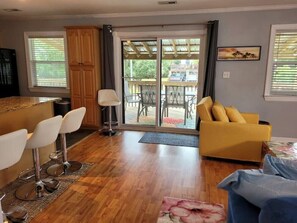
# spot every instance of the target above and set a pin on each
(245, 88)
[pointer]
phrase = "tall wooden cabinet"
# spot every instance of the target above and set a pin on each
(84, 71)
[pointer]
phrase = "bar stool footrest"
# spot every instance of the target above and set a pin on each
(24, 175)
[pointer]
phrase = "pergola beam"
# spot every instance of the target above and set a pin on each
(134, 48)
(148, 49)
(174, 47)
(193, 56)
(189, 47)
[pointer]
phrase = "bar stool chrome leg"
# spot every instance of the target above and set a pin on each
(35, 189)
(67, 166)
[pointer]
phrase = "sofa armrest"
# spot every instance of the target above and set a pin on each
(239, 141)
(251, 118)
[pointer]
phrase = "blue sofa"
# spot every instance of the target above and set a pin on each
(276, 210)
(267, 195)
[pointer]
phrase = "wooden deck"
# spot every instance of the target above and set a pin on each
(128, 180)
(174, 120)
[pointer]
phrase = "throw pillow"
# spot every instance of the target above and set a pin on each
(219, 112)
(234, 115)
(281, 167)
(257, 187)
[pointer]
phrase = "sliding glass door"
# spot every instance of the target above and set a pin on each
(160, 82)
(139, 82)
(179, 82)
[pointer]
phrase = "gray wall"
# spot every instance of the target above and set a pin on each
(244, 89)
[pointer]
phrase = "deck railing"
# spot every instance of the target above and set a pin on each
(133, 85)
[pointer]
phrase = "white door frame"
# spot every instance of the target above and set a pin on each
(155, 35)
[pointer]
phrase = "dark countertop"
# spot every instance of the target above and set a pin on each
(15, 103)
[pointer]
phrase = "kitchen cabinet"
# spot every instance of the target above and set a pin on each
(84, 71)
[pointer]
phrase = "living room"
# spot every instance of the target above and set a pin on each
(238, 26)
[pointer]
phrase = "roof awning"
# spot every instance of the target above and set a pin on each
(172, 49)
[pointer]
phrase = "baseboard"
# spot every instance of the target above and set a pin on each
(283, 139)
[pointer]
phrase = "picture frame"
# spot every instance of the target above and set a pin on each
(239, 53)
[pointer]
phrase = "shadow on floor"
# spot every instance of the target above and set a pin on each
(74, 137)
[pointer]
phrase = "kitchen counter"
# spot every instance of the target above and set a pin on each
(16, 103)
(24, 113)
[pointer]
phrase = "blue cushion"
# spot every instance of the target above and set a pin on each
(281, 167)
(257, 187)
(279, 210)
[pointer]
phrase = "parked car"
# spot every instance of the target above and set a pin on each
(177, 76)
(192, 76)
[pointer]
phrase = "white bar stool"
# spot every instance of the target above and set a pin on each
(71, 122)
(12, 146)
(108, 98)
(45, 133)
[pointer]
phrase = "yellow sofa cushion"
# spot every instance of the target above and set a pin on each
(219, 112)
(234, 115)
(204, 109)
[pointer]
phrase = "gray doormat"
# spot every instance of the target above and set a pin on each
(170, 139)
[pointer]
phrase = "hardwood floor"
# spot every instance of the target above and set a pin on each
(129, 180)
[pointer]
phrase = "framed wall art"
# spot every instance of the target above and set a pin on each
(239, 53)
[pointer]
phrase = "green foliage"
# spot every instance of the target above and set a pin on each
(146, 69)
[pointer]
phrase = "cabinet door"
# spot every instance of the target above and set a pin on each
(90, 96)
(87, 46)
(76, 86)
(73, 44)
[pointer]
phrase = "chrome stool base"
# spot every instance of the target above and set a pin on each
(32, 191)
(17, 214)
(108, 132)
(64, 168)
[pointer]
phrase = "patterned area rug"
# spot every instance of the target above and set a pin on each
(170, 139)
(189, 211)
(34, 207)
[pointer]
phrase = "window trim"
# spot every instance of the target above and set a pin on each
(33, 88)
(267, 95)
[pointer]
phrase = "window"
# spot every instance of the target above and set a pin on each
(281, 77)
(46, 61)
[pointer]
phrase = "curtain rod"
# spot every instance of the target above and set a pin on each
(162, 25)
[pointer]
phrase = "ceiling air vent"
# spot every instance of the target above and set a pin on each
(170, 2)
(12, 10)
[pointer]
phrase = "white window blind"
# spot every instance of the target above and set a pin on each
(48, 61)
(284, 64)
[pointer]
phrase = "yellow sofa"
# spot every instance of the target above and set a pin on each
(231, 140)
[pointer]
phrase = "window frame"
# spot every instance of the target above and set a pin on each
(267, 94)
(49, 34)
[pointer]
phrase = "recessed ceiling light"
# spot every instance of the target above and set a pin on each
(12, 10)
(170, 2)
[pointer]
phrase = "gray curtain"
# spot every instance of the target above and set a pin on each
(108, 78)
(211, 56)
(210, 60)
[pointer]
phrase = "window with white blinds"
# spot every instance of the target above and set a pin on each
(46, 60)
(281, 80)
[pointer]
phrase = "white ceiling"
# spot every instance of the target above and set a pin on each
(114, 8)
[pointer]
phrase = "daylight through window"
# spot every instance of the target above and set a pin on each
(47, 61)
(282, 65)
